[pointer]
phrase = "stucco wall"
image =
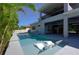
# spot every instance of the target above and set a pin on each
(69, 14)
(72, 13)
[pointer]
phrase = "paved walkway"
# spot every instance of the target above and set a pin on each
(14, 47)
(68, 50)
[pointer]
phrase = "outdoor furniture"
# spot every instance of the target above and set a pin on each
(44, 45)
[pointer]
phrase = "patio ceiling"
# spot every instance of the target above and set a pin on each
(49, 8)
(74, 5)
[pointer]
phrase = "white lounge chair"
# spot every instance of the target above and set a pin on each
(49, 43)
(39, 45)
(44, 45)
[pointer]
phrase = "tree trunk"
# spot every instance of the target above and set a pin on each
(1, 44)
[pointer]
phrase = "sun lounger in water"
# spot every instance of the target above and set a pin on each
(44, 45)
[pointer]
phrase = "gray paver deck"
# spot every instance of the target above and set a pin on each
(14, 47)
(68, 50)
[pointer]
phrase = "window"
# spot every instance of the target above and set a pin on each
(33, 28)
(38, 25)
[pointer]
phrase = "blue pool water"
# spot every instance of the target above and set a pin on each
(27, 41)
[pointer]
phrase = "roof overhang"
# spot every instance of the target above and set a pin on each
(51, 7)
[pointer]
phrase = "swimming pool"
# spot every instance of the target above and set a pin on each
(27, 40)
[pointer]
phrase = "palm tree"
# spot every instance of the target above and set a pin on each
(9, 21)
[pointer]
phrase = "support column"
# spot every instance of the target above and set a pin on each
(65, 21)
(43, 28)
(65, 27)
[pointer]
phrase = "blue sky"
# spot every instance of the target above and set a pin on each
(29, 17)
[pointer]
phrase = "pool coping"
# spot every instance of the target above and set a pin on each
(14, 47)
(68, 50)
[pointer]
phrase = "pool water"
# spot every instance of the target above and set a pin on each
(27, 41)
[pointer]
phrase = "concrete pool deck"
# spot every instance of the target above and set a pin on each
(68, 50)
(72, 48)
(14, 47)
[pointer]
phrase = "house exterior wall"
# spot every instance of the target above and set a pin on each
(68, 13)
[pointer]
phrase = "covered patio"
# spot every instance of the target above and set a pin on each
(60, 23)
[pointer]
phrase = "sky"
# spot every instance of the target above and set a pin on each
(29, 16)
